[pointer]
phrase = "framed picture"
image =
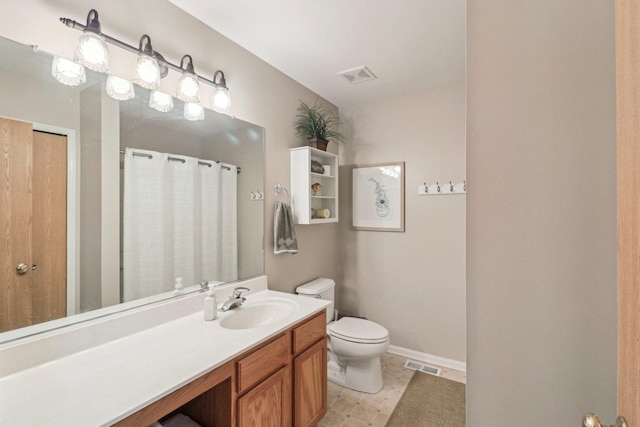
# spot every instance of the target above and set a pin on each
(377, 197)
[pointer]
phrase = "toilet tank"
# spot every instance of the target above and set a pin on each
(322, 288)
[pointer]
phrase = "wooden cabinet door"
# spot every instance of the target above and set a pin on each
(310, 385)
(269, 403)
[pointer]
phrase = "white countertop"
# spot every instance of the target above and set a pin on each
(104, 384)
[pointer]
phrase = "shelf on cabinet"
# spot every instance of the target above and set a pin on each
(321, 175)
(302, 179)
(322, 220)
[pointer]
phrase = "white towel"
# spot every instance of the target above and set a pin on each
(284, 236)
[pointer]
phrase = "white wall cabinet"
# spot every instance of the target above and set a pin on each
(306, 203)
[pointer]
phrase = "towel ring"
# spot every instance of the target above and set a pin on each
(279, 188)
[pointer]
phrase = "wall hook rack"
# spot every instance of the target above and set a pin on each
(442, 188)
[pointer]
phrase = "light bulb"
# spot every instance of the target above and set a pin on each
(67, 72)
(119, 88)
(193, 111)
(221, 100)
(160, 101)
(189, 88)
(148, 72)
(92, 52)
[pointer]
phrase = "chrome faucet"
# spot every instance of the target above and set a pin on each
(235, 300)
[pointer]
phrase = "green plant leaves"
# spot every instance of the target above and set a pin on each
(317, 121)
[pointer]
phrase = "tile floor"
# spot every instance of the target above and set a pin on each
(349, 408)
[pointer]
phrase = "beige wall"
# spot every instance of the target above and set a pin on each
(261, 95)
(413, 283)
(90, 255)
(61, 108)
(541, 230)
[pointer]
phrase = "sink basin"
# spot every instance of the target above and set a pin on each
(258, 313)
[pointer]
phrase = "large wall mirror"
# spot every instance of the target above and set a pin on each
(106, 204)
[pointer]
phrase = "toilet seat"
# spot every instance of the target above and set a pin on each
(358, 330)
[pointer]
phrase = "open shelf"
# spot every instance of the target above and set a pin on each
(303, 203)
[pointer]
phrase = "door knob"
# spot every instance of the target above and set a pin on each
(592, 420)
(22, 268)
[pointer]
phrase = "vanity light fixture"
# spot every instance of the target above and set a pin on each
(148, 69)
(221, 99)
(193, 111)
(147, 74)
(160, 101)
(119, 88)
(92, 50)
(188, 86)
(68, 72)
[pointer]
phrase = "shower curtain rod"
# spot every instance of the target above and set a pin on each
(177, 159)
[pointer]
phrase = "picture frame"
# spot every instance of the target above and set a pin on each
(377, 197)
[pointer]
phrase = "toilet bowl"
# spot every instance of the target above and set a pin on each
(354, 344)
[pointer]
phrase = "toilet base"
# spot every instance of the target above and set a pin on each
(360, 375)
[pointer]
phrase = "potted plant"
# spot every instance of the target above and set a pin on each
(318, 124)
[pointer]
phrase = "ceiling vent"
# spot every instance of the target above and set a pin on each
(358, 75)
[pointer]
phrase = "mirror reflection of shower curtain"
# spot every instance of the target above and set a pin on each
(179, 220)
(229, 220)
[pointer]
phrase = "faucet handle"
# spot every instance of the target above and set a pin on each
(237, 292)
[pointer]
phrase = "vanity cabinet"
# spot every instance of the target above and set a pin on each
(208, 400)
(279, 383)
(281, 400)
(306, 202)
(265, 396)
(309, 343)
(269, 403)
(310, 385)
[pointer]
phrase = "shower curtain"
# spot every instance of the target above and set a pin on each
(179, 220)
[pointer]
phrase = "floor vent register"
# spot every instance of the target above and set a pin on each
(417, 366)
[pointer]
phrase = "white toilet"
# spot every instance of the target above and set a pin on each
(354, 344)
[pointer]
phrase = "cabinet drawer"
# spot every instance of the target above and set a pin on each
(309, 332)
(259, 364)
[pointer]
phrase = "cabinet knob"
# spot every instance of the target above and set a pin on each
(22, 268)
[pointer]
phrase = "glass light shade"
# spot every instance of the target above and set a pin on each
(119, 88)
(189, 88)
(193, 111)
(92, 52)
(67, 72)
(148, 72)
(161, 101)
(221, 100)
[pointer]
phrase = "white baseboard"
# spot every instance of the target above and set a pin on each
(428, 358)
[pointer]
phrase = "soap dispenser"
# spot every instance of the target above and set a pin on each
(210, 305)
(178, 288)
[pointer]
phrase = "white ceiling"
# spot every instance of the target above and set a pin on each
(409, 45)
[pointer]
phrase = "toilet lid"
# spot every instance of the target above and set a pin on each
(358, 330)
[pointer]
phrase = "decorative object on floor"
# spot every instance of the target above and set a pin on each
(430, 401)
(377, 193)
(284, 235)
(318, 124)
